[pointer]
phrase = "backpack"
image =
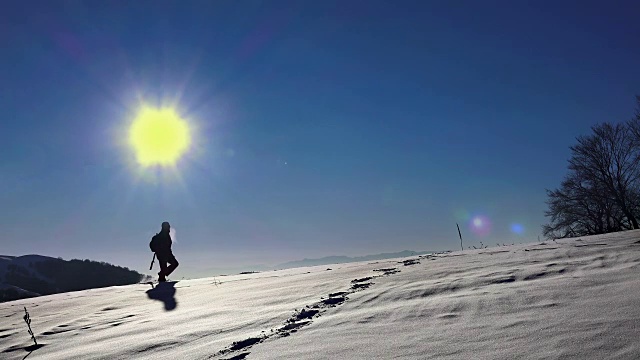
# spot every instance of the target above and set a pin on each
(153, 244)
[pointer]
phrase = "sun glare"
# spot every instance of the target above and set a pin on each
(159, 136)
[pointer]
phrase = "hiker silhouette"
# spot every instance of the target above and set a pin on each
(161, 245)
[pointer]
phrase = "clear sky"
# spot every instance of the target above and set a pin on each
(319, 127)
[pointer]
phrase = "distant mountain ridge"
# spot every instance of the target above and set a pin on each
(347, 259)
(35, 275)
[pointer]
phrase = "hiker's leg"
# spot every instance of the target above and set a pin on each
(173, 264)
(163, 267)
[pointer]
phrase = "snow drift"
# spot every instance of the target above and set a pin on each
(570, 299)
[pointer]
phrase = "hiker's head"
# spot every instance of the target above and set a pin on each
(166, 226)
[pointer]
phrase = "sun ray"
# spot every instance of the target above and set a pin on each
(190, 72)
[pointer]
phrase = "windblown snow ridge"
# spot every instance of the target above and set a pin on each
(305, 316)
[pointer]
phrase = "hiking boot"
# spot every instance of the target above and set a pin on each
(161, 277)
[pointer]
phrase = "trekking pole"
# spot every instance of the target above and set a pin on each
(152, 261)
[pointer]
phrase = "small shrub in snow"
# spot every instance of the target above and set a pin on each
(27, 319)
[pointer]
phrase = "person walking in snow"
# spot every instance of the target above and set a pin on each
(161, 246)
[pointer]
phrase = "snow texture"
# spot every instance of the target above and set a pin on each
(564, 299)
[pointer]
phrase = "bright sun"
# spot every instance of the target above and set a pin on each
(159, 136)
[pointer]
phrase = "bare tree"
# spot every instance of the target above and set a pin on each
(634, 124)
(576, 209)
(608, 161)
(601, 193)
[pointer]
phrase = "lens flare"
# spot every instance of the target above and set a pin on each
(462, 215)
(480, 225)
(517, 229)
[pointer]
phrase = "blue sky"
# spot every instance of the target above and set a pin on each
(321, 128)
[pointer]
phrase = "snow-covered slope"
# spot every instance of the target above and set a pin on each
(570, 299)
